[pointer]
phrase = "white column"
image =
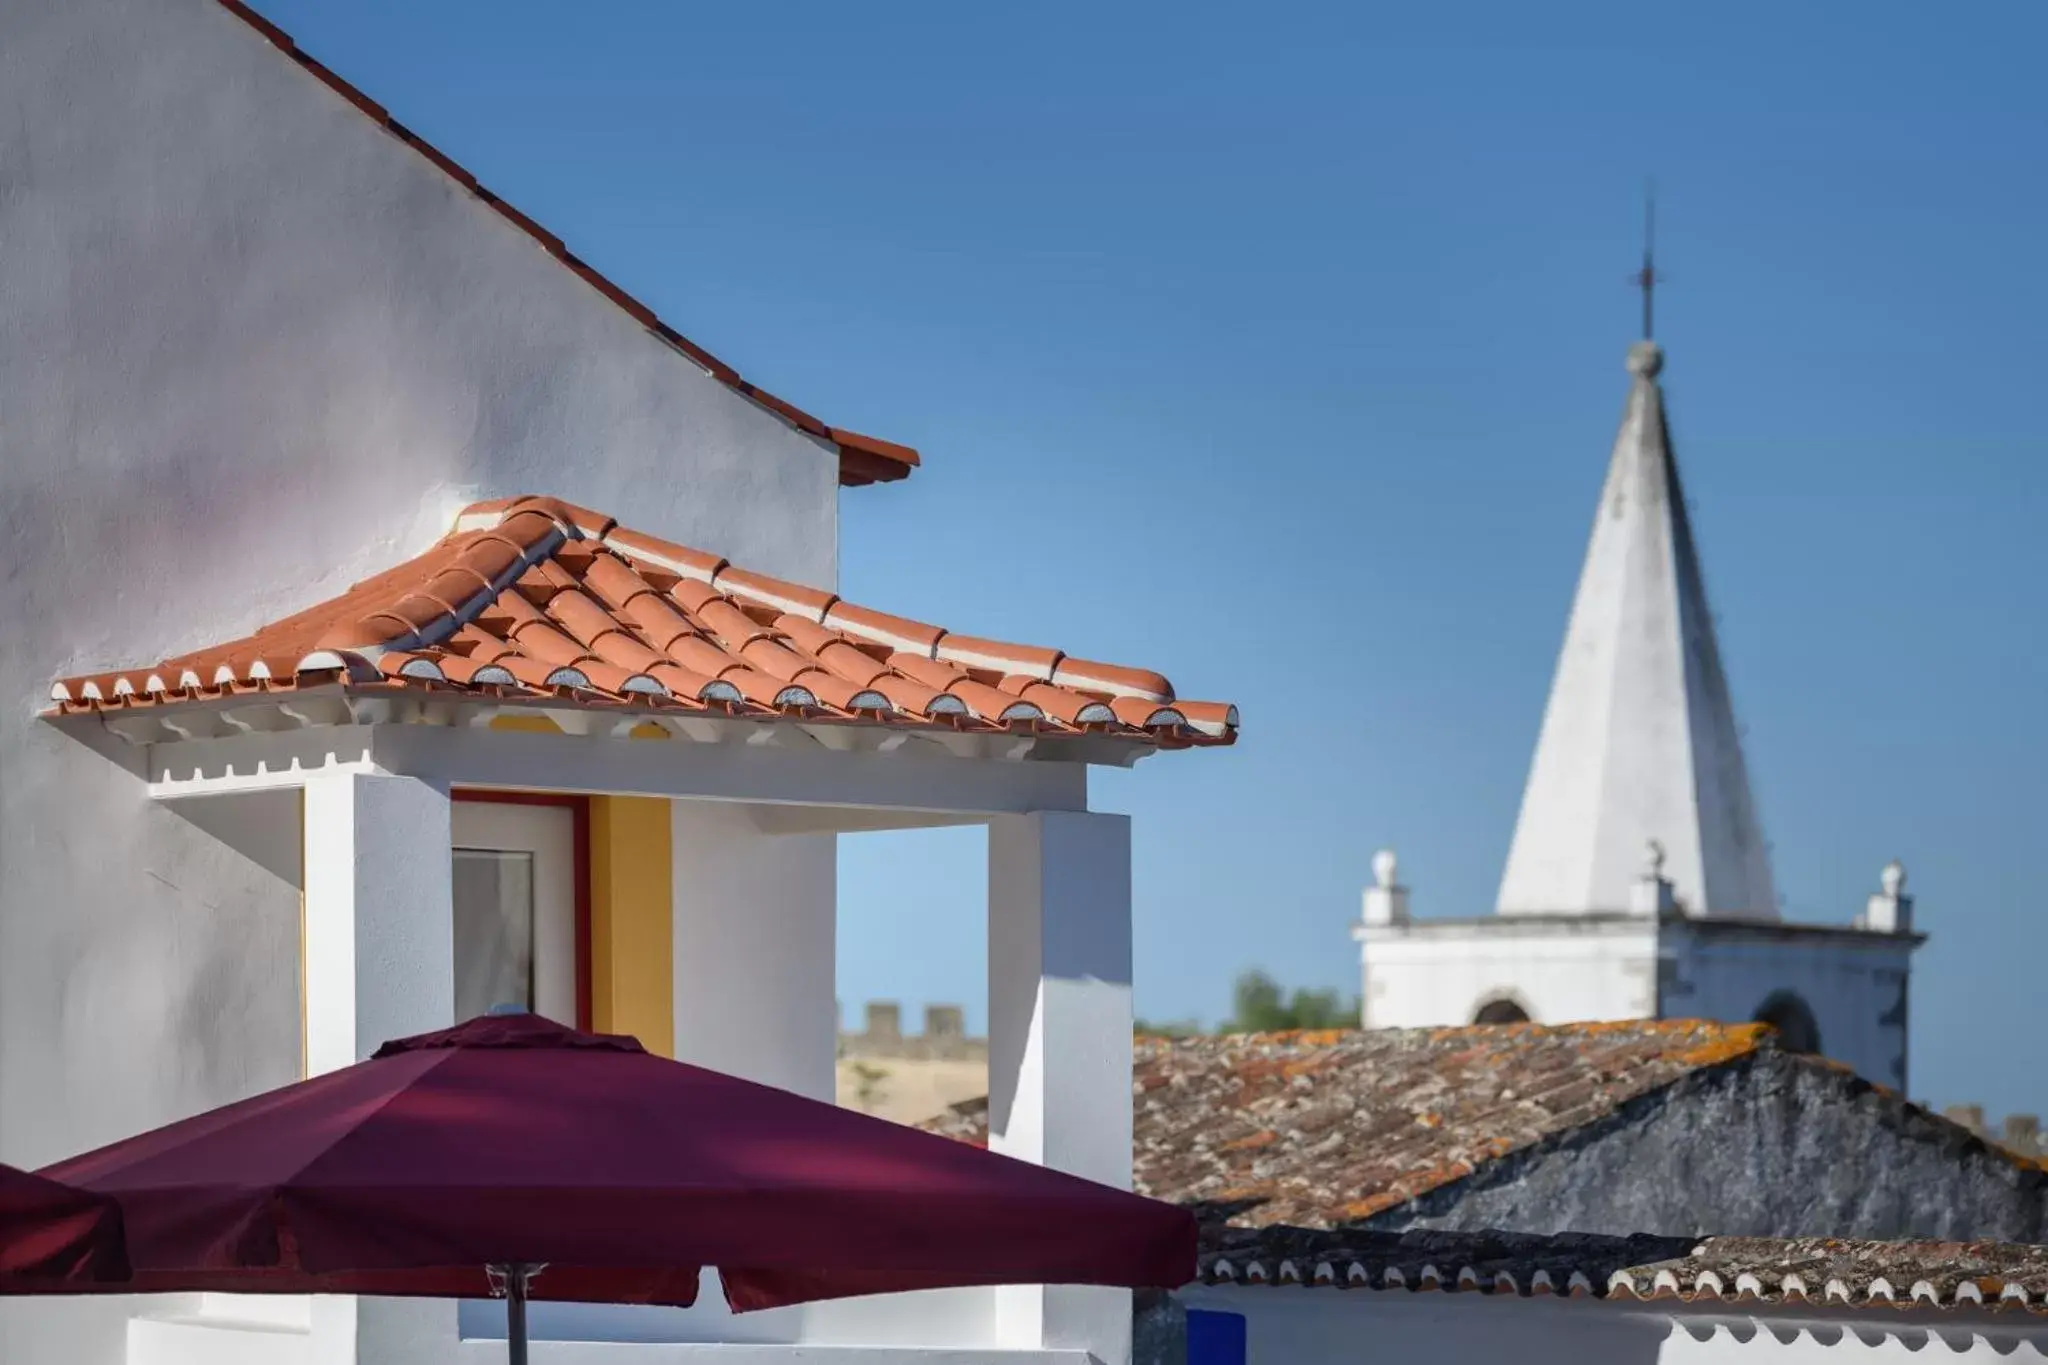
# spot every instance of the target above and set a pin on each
(1059, 1031)
(380, 936)
(380, 964)
(755, 948)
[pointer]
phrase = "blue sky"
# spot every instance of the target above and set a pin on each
(1279, 348)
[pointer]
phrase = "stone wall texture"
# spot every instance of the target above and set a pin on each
(1771, 1145)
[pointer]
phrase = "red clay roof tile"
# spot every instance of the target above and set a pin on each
(897, 632)
(913, 698)
(530, 595)
(995, 656)
(1320, 1129)
(1315, 1129)
(679, 560)
(862, 459)
(933, 674)
(1125, 682)
(811, 603)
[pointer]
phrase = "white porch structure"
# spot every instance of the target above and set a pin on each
(754, 809)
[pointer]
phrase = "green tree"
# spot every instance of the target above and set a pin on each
(1260, 1006)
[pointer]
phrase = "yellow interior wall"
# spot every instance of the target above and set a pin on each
(632, 980)
(539, 725)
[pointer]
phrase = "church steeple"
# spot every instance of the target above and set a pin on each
(1639, 743)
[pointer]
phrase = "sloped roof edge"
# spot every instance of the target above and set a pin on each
(1422, 1110)
(534, 599)
(862, 459)
(1785, 1271)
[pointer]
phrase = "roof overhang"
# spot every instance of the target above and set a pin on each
(536, 612)
(336, 705)
(876, 780)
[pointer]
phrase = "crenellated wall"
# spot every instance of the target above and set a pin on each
(2020, 1132)
(910, 1077)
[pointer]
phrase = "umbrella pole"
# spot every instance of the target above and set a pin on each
(515, 1313)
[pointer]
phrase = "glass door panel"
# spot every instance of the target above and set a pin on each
(515, 909)
(493, 930)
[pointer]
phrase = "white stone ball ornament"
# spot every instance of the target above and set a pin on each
(1384, 866)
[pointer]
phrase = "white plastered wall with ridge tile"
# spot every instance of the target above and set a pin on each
(252, 349)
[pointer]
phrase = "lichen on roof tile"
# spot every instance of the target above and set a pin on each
(1315, 1129)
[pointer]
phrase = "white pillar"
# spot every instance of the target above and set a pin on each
(380, 935)
(380, 964)
(1059, 1032)
(755, 948)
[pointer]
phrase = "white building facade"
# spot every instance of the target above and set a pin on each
(1290, 1325)
(1638, 881)
(1308, 1298)
(258, 343)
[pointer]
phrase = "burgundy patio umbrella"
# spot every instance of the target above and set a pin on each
(52, 1234)
(517, 1154)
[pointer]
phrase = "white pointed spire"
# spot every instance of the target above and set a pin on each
(1639, 744)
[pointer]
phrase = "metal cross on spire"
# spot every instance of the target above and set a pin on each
(1647, 278)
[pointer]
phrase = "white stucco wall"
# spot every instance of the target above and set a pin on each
(756, 951)
(1291, 1325)
(253, 348)
(1560, 971)
(1852, 982)
(1568, 968)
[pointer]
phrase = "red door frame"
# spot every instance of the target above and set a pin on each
(579, 821)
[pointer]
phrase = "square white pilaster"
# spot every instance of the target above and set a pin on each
(380, 964)
(1059, 995)
(380, 935)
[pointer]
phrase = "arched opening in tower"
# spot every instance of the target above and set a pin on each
(1786, 1012)
(1501, 1011)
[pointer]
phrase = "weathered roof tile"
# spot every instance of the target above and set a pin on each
(1854, 1274)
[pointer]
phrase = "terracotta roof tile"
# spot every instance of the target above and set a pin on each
(537, 597)
(1850, 1274)
(997, 657)
(1123, 682)
(1319, 1129)
(795, 598)
(897, 632)
(1322, 1129)
(862, 459)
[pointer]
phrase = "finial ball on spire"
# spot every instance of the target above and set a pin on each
(1384, 866)
(1645, 358)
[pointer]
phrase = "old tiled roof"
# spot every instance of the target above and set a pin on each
(1767, 1269)
(534, 598)
(862, 459)
(1321, 1129)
